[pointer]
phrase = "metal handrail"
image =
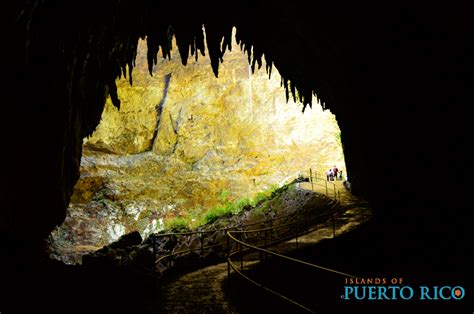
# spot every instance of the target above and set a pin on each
(266, 288)
(292, 235)
(262, 250)
(284, 225)
(202, 248)
(266, 251)
(221, 229)
(225, 230)
(316, 180)
(256, 248)
(250, 247)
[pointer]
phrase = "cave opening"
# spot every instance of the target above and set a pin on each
(397, 77)
(186, 144)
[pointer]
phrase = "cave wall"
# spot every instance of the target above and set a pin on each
(396, 77)
(188, 112)
(67, 57)
(182, 139)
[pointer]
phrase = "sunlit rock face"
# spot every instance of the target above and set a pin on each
(182, 140)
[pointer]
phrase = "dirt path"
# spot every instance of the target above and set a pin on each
(196, 292)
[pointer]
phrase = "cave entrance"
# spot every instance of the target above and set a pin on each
(185, 143)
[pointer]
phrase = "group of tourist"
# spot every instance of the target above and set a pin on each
(333, 174)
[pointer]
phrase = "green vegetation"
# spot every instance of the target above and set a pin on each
(224, 195)
(231, 208)
(195, 214)
(198, 216)
(219, 211)
(228, 209)
(177, 224)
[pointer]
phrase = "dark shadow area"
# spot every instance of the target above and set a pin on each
(398, 77)
(52, 287)
(322, 291)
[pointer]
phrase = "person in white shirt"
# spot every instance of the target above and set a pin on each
(329, 174)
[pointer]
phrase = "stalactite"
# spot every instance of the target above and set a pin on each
(227, 42)
(131, 56)
(116, 36)
(89, 44)
(165, 39)
(268, 67)
(248, 49)
(199, 42)
(293, 90)
(300, 95)
(184, 39)
(152, 51)
(257, 58)
(113, 94)
(214, 35)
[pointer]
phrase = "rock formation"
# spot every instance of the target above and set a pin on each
(181, 138)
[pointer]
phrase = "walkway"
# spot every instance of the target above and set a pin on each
(201, 291)
(195, 292)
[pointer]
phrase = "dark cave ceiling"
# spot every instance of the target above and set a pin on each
(368, 61)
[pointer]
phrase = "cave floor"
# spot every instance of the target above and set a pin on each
(54, 287)
(204, 290)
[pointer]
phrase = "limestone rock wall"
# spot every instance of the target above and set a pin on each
(181, 139)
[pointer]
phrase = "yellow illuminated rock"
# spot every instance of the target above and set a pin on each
(234, 134)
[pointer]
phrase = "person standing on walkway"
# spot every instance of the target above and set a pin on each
(329, 174)
(335, 171)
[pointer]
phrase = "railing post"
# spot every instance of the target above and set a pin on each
(154, 247)
(202, 244)
(311, 178)
(334, 186)
(155, 274)
(240, 253)
(333, 226)
(326, 184)
(296, 228)
(271, 231)
(265, 240)
(228, 255)
(266, 244)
